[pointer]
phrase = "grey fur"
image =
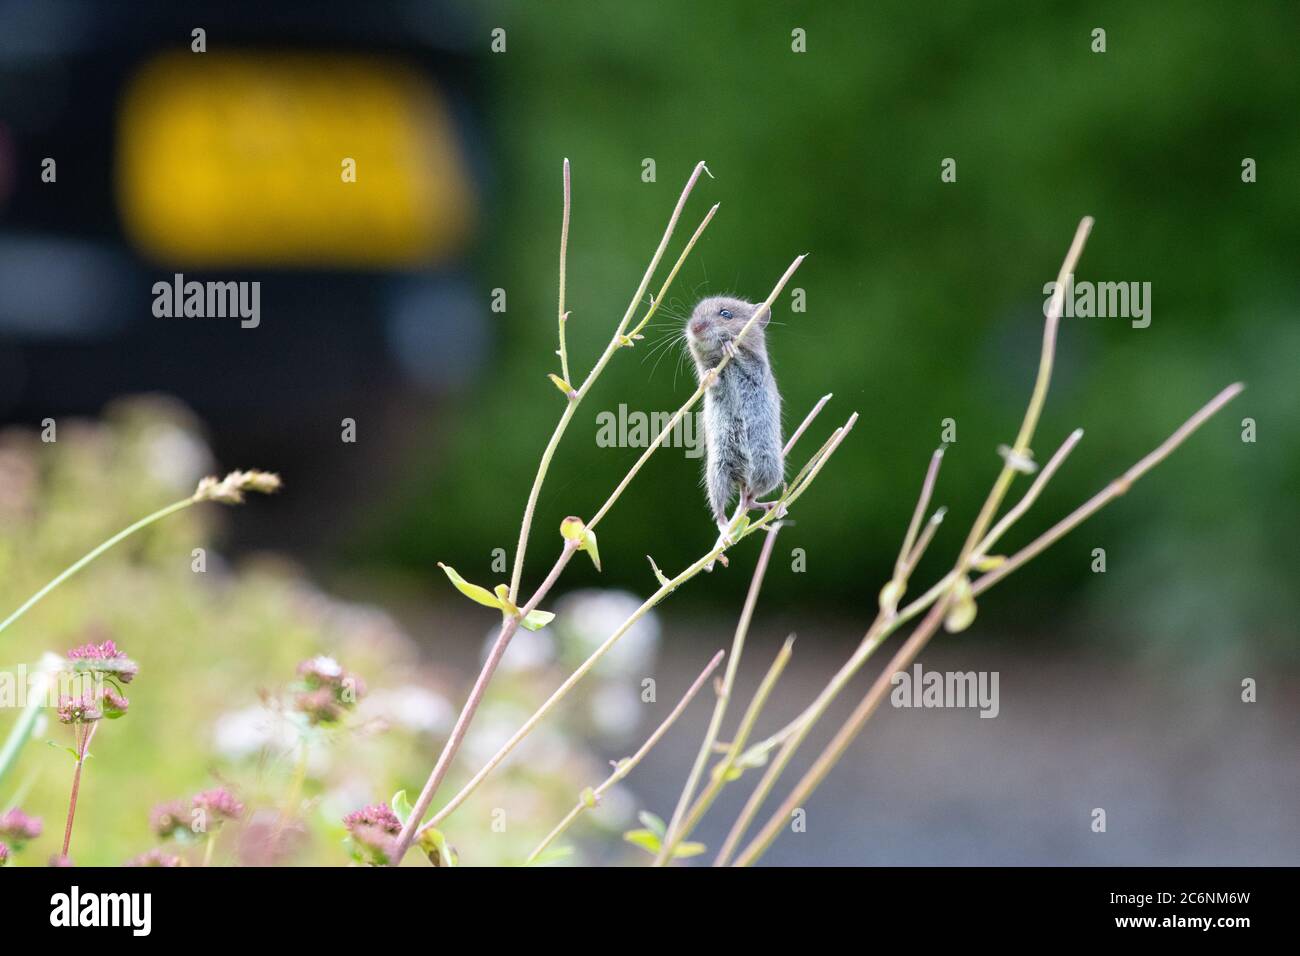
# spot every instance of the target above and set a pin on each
(742, 409)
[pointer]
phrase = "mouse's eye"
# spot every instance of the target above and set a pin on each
(725, 313)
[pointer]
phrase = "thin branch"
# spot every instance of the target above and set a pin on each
(1108, 494)
(724, 696)
(625, 766)
(922, 503)
(1036, 401)
(564, 256)
(614, 343)
(583, 669)
(720, 774)
(808, 420)
(510, 624)
(907, 653)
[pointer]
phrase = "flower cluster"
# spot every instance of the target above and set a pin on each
(174, 819)
(4, 854)
(156, 857)
(79, 710)
(103, 658)
(109, 668)
(170, 819)
(373, 830)
(17, 828)
(330, 690)
(219, 804)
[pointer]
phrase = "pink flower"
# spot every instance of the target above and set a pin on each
(219, 802)
(104, 657)
(379, 815)
(17, 827)
(156, 857)
(330, 690)
(373, 830)
(168, 818)
(113, 704)
(4, 854)
(75, 710)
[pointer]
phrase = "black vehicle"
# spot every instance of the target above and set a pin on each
(325, 152)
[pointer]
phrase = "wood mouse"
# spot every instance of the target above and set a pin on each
(742, 409)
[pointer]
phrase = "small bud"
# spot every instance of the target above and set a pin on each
(890, 595)
(961, 612)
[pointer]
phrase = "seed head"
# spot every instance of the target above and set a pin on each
(230, 489)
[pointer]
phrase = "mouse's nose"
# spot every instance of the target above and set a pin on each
(698, 326)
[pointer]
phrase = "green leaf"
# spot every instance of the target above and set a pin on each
(684, 850)
(71, 750)
(472, 591)
(561, 384)
(575, 529)
(439, 851)
(536, 620)
(588, 798)
(401, 805)
(645, 839)
(652, 823)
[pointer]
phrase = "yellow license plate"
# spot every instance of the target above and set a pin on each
(289, 159)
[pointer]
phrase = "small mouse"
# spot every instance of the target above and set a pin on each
(742, 409)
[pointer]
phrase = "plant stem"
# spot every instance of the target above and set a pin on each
(83, 745)
(21, 731)
(1108, 494)
(208, 847)
(886, 621)
(724, 697)
(849, 730)
(466, 716)
(564, 254)
(614, 344)
(628, 764)
(719, 774)
(765, 521)
(1036, 401)
(92, 555)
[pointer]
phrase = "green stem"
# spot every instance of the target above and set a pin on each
(720, 773)
(21, 731)
(707, 560)
(92, 555)
(627, 765)
(724, 698)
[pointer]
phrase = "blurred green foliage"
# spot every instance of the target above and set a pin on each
(924, 298)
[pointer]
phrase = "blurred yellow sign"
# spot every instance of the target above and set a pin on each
(289, 159)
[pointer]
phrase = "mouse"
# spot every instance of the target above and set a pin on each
(743, 455)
